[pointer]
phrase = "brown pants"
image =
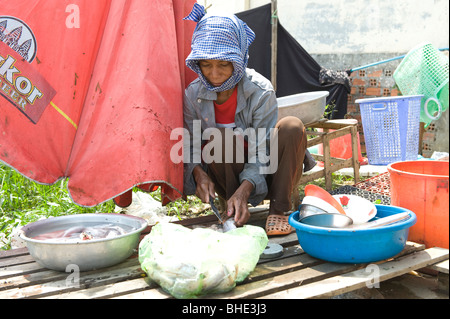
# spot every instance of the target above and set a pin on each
(291, 154)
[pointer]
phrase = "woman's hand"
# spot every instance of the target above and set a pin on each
(238, 203)
(205, 186)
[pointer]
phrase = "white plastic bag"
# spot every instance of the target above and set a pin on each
(187, 263)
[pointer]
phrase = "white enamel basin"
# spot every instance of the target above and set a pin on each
(309, 106)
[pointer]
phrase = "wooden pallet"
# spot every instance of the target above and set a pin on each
(293, 275)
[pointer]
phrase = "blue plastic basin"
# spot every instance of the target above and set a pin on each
(355, 246)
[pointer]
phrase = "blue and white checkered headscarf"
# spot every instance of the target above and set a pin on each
(215, 37)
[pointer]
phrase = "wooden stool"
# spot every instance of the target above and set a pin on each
(331, 164)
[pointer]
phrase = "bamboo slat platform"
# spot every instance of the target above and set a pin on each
(293, 275)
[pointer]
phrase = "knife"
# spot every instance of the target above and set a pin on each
(214, 208)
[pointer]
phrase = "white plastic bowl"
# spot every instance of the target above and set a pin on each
(316, 201)
(309, 106)
(359, 209)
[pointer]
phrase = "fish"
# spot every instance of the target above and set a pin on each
(228, 225)
(77, 233)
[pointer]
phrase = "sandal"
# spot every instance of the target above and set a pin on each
(278, 225)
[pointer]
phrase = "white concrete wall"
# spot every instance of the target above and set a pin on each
(356, 26)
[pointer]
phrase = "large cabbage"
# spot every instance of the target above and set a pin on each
(187, 263)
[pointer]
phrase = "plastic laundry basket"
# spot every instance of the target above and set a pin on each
(391, 128)
(424, 70)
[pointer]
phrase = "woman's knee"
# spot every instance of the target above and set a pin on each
(290, 126)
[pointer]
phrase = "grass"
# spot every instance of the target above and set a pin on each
(23, 201)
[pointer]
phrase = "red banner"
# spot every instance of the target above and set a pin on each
(90, 91)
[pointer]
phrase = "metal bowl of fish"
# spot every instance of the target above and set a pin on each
(84, 242)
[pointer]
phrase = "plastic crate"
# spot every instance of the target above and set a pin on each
(364, 193)
(424, 70)
(391, 128)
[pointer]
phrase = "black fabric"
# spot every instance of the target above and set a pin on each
(297, 71)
